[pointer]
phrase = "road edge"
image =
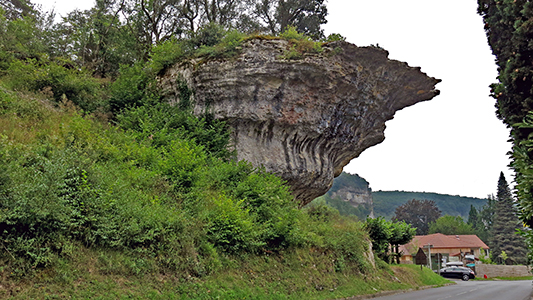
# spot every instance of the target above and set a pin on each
(394, 292)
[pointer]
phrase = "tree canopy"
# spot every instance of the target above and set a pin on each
(419, 214)
(123, 32)
(450, 225)
(387, 235)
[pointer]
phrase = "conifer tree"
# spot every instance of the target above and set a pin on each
(505, 224)
(473, 217)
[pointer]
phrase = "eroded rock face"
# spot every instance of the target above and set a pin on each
(302, 119)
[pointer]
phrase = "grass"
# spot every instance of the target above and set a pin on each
(300, 274)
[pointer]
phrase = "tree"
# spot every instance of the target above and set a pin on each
(508, 25)
(418, 213)
(451, 225)
(17, 9)
(305, 15)
(387, 235)
(401, 234)
(380, 233)
(486, 215)
(509, 28)
(506, 222)
(473, 217)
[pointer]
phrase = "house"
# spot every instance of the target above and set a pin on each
(444, 248)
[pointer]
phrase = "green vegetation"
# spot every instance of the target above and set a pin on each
(507, 247)
(386, 202)
(107, 191)
(387, 235)
(151, 196)
(418, 213)
(296, 275)
(508, 28)
(450, 225)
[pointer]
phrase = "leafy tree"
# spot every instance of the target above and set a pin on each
(380, 233)
(401, 234)
(418, 213)
(388, 234)
(153, 21)
(450, 225)
(20, 38)
(17, 9)
(305, 15)
(506, 223)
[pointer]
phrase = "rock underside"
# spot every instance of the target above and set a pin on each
(302, 119)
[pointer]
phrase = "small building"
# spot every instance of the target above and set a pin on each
(445, 248)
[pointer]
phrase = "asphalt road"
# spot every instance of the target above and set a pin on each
(472, 290)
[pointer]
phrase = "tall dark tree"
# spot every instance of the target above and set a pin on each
(486, 214)
(509, 28)
(481, 221)
(506, 222)
(473, 217)
(418, 213)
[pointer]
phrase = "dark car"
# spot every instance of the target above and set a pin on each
(458, 272)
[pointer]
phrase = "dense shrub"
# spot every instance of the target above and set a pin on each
(59, 82)
(134, 87)
(158, 192)
(162, 123)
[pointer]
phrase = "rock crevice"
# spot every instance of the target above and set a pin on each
(302, 119)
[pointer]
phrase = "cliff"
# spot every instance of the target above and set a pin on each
(303, 119)
(353, 190)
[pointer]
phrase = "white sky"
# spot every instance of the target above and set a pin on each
(453, 144)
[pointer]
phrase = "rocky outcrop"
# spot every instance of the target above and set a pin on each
(303, 119)
(353, 189)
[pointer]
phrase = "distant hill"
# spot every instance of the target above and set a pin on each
(385, 202)
(351, 195)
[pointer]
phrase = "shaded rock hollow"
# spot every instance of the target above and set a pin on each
(302, 119)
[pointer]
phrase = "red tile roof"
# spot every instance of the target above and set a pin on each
(439, 240)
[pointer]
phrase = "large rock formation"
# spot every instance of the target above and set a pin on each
(355, 191)
(302, 119)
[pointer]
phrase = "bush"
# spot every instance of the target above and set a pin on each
(134, 87)
(162, 123)
(299, 44)
(165, 55)
(231, 227)
(57, 81)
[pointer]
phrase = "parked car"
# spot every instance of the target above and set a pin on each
(458, 272)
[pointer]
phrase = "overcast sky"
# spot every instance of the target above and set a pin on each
(453, 144)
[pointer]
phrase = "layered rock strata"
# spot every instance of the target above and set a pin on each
(302, 119)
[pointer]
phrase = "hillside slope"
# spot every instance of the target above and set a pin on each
(351, 195)
(385, 202)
